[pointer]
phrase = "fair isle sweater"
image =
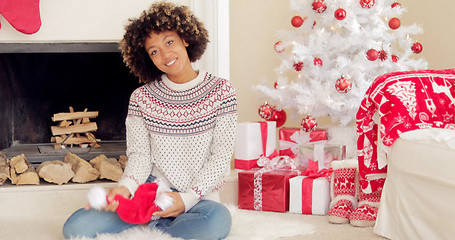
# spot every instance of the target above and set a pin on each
(182, 134)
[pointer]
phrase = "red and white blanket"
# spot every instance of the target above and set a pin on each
(403, 101)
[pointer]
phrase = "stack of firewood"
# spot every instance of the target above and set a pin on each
(19, 170)
(74, 128)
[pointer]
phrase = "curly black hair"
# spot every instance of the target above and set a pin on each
(161, 16)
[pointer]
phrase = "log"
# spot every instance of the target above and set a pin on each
(83, 171)
(4, 169)
(19, 163)
(74, 115)
(29, 177)
(56, 171)
(79, 128)
(74, 140)
(13, 176)
(109, 168)
(123, 160)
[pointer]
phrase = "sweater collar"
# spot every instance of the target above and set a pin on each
(183, 86)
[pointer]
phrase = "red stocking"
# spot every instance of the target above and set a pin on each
(23, 15)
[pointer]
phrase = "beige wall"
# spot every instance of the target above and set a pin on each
(253, 25)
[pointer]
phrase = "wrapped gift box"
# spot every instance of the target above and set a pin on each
(291, 138)
(253, 140)
(309, 195)
(321, 153)
(271, 191)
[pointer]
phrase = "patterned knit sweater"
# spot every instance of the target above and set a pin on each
(183, 134)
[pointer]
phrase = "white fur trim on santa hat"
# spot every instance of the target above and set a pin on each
(97, 197)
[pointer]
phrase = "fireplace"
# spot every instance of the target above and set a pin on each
(40, 79)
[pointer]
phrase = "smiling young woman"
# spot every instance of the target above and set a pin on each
(180, 129)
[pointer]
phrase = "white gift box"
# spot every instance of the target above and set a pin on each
(250, 141)
(312, 198)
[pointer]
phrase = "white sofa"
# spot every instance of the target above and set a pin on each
(418, 199)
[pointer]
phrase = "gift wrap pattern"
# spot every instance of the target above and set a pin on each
(264, 191)
(252, 141)
(309, 195)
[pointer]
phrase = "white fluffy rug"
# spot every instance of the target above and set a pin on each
(246, 224)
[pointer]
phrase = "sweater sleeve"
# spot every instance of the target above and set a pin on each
(211, 176)
(140, 162)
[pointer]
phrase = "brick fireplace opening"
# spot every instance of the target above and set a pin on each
(39, 80)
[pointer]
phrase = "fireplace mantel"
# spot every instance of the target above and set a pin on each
(89, 24)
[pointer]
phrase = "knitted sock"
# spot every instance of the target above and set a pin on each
(365, 215)
(343, 191)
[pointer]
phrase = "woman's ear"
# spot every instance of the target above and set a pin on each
(185, 43)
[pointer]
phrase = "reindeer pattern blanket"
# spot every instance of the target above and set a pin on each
(403, 101)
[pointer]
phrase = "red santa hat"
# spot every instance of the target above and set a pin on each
(140, 208)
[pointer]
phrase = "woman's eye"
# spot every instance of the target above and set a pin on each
(170, 42)
(154, 52)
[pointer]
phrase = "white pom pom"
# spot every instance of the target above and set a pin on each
(163, 200)
(97, 197)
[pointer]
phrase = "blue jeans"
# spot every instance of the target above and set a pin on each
(206, 220)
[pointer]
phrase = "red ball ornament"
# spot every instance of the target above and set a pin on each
(298, 66)
(266, 111)
(309, 124)
(382, 55)
(319, 6)
(395, 4)
(340, 14)
(297, 21)
(394, 58)
(366, 3)
(417, 47)
(279, 48)
(317, 61)
(372, 54)
(343, 84)
(279, 116)
(394, 23)
(275, 85)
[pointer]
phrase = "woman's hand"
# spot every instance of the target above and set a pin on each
(112, 205)
(175, 210)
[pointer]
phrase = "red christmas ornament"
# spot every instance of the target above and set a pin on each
(266, 111)
(317, 61)
(417, 47)
(394, 23)
(340, 14)
(297, 21)
(319, 6)
(298, 66)
(343, 84)
(382, 55)
(309, 124)
(372, 54)
(366, 3)
(279, 116)
(275, 85)
(394, 58)
(395, 4)
(279, 47)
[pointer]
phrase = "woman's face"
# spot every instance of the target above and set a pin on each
(168, 52)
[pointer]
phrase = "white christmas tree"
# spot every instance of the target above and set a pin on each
(337, 49)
